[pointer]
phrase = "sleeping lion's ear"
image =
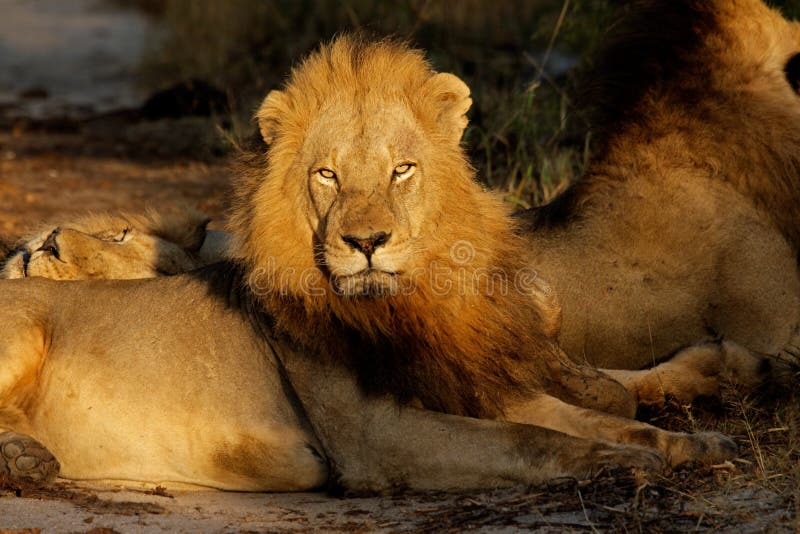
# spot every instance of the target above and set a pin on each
(268, 115)
(452, 98)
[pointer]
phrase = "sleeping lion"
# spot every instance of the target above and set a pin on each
(118, 246)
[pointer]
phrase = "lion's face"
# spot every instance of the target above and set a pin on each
(359, 169)
(111, 248)
(368, 194)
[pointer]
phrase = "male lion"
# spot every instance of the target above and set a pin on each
(377, 297)
(687, 223)
(119, 246)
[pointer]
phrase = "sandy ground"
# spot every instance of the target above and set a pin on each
(51, 178)
(614, 502)
(48, 178)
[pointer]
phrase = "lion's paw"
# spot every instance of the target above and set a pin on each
(630, 456)
(22, 458)
(705, 447)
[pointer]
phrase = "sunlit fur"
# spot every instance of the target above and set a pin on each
(707, 81)
(687, 222)
(457, 351)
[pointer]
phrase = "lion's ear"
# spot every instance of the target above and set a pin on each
(451, 95)
(269, 114)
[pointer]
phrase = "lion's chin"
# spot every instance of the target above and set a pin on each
(367, 283)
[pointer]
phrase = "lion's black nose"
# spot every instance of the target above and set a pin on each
(367, 245)
(50, 245)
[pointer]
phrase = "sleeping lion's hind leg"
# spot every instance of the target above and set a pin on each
(678, 447)
(22, 348)
(697, 371)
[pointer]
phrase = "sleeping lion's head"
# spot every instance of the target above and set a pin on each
(120, 246)
(364, 215)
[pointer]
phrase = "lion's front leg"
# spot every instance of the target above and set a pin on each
(677, 447)
(374, 444)
(592, 388)
(397, 448)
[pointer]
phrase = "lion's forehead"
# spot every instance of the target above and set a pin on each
(359, 133)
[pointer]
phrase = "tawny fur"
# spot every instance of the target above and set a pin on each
(119, 245)
(687, 223)
(316, 376)
(706, 81)
(460, 352)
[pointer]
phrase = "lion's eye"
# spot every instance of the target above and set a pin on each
(327, 177)
(403, 172)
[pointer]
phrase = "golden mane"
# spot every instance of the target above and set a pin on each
(699, 84)
(456, 341)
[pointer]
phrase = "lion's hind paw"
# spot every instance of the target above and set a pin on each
(22, 458)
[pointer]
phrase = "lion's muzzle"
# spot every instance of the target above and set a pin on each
(367, 245)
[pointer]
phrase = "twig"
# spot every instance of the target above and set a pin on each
(585, 513)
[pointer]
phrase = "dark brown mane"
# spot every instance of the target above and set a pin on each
(651, 50)
(461, 355)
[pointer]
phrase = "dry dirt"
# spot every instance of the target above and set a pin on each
(52, 177)
(47, 178)
(614, 501)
